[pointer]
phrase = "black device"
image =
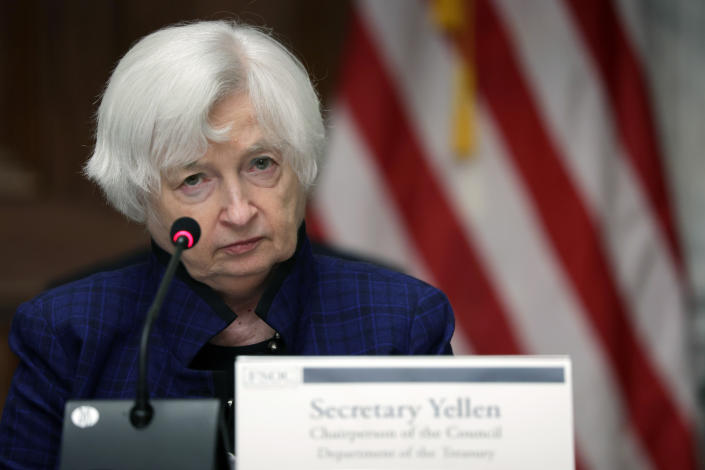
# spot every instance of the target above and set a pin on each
(144, 434)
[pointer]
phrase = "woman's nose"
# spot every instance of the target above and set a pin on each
(237, 208)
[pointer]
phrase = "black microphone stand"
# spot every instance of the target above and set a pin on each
(141, 414)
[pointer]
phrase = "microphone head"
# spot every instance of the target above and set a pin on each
(187, 228)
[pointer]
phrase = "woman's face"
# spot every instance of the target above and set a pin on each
(244, 195)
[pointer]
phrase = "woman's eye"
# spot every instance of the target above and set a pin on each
(196, 187)
(193, 180)
(261, 163)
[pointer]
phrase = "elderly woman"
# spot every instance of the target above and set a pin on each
(218, 122)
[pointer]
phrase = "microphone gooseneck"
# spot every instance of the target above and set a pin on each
(185, 233)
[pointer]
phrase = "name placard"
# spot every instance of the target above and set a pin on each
(479, 412)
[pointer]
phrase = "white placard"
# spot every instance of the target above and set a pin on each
(478, 412)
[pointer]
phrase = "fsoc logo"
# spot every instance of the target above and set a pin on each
(272, 377)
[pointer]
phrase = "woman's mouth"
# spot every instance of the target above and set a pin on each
(243, 246)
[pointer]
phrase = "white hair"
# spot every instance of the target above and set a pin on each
(154, 114)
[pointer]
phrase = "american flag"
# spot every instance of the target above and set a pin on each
(505, 151)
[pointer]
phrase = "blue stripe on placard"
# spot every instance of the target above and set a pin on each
(434, 374)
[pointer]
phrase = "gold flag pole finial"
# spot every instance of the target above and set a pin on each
(455, 19)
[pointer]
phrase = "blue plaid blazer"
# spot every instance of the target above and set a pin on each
(81, 340)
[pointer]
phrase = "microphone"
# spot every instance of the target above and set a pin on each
(188, 228)
(185, 233)
(179, 434)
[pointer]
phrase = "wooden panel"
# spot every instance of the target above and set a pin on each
(8, 361)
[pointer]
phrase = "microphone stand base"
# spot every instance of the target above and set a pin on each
(182, 434)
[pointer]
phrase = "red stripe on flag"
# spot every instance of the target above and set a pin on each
(438, 236)
(314, 225)
(621, 73)
(577, 243)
